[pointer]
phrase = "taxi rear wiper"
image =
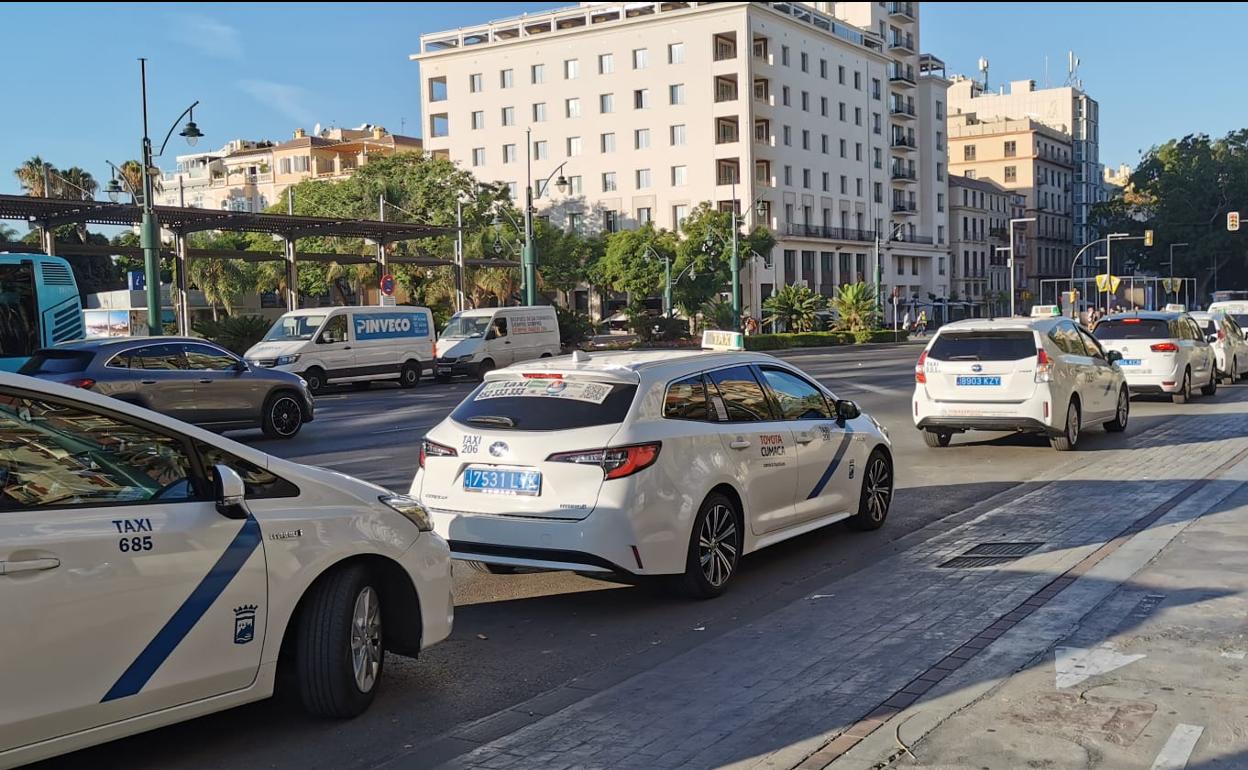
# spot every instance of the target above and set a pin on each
(489, 419)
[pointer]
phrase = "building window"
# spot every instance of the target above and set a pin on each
(969, 173)
(571, 69)
(784, 95)
(879, 157)
(787, 136)
(676, 93)
(857, 116)
(641, 57)
(606, 64)
(677, 134)
(788, 176)
(539, 151)
(478, 159)
(676, 53)
(606, 103)
(643, 216)
(858, 151)
(805, 60)
(878, 192)
(940, 172)
(877, 125)
(805, 100)
(827, 184)
(608, 181)
(576, 221)
(606, 143)
(574, 146)
(806, 178)
(537, 74)
(641, 99)
(576, 185)
(940, 234)
(1011, 173)
(823, 68)
(842, 110)
(940, 201)
(539, 112)
(857, 80)
(476, 83)
(844, 146)
(573, 107)
(509, 153)
(611, 220)
(509, 116)
(478, 120)
(840, 74)
(823, 143)
(875, 89)
(805, 139)
(643, 178)
(940, 110)
(858, 190)
(641, 138)
(784, 55)
(940, 140)
(823, 106)
(680, 176)
(1011, 149)
(678, 215)
(844, 185)
(968, 152)
(505, 78)
(940, 261)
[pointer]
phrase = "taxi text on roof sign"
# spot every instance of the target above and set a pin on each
(1045, 311)
(716, 339)
(1173, 308)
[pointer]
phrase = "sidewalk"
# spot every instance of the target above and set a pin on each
(912, 638)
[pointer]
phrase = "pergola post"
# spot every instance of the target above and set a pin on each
(48, 238)
(181, 294)
(292, 275)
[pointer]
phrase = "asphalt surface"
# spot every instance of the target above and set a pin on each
(519, 636)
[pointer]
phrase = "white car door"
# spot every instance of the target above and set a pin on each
(334, 348)
(1104, 387)
(124, 590)
(500, 343)
(1200, 352)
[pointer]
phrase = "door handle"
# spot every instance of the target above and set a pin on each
(346, 347)
(30, 565)
(147, 382)
(805, 438)
(740, 443)
(506, 342)
(205, 382)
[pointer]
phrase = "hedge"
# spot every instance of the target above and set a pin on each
(820, 339)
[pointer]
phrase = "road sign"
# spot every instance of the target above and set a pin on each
(387, 284)
(1107, 282)
(1232, 221)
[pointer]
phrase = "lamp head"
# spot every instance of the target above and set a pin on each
(113, 189)
(190, 132)
(562, 183)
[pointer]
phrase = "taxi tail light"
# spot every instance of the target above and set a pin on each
(1164, 347)
(86, 383)
(616, 462)
(542, 376)
(1044, 367)
(433, 449)
(920, 375)
(1130, 320)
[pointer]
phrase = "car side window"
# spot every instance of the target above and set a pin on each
(740, 396)
(259, 482)
(1068, 340)
(1089, 342)
(797, 398)
(1194, 330)
(54, 454)
(499, 328)
(335, 330)
(119, 361)
(686, 399)
(200, 357)
(167, 357)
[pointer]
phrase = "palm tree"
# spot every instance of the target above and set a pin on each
(221, 281)
(75, 182)
(7, 233)
(32, 175)
(795, 307)
(132, 172)
(854, 304)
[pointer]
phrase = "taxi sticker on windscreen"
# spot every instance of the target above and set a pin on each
(591, 392)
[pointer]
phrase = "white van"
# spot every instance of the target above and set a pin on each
(350, 344)
(476, 341)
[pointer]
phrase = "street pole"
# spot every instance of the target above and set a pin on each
(459, 255)
(736, 266)
(528, 259)
(1010, 263)
(667, 285)
(149, 229)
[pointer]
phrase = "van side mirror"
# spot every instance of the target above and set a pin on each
(231, 492)
(847, 410)
(1113, 356)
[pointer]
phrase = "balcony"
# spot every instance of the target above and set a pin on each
(904, 143)
(901, 43)
(997, 232)
(828, 233)
(901, 10)
(923, 240)
(905, 207)
(902, 76)
(903, 174)
(902, 111)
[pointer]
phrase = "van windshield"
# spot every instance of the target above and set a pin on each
(294, 327)
(466, 326)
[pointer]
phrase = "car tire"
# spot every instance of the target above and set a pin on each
(937, 438)
(484, 368)
(1233, 374)
(717, 538)
(409, 375)
(1122, 412)
(877, 493)
(283, 416)
(545, 355)
(492, 569)
(315, 377)
(1069, 438)
(1185, 393)
(339, 648)
(1212, 388)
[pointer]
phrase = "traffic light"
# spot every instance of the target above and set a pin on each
(1148, 237)
(1232, 221)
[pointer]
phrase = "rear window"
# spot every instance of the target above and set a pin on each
(1132, 329)
(1209, 326)
(983, 346)
(56, 362)
(541, 404)
(1240, 318)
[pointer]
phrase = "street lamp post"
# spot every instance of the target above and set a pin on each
(879, 264)
(1172, 266)
(1010, 261)
(528, 259)
(149, 232)
(1074, 262)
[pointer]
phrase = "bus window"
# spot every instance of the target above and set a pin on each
(19, 315)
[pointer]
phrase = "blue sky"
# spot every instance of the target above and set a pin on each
(69, 83)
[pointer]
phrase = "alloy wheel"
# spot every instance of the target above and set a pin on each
(366, 639)
(879, 489)
(286, 416)
(717, 545)
(1072, 424)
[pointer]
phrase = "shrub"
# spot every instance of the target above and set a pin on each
(234, 333)
(818, 339)
(575, 328)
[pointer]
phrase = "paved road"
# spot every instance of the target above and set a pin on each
(519, 636)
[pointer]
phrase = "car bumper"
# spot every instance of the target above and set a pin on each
(456, 369)
(1169, 382)
(997, 424)
(428, 564)
(1035, 414)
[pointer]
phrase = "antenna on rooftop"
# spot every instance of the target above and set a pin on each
(983, 68)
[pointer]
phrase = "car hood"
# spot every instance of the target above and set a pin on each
(454, 347)
(274, 349)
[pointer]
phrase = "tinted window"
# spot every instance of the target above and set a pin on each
(335, 330)
(207, 358)
(1094, 348)
(1209, 325)
(686, 399)
(19, 313)
(52, 454)
(1241, 319)
(298, 327)
(983, 346)
(56, 362)
(1067, 339)
(797, 398)
(538, 412)
(741, 395)
(162, 357)
(260, 483)
(1133, 329)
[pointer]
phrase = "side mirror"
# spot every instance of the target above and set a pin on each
(240, 366)
(491, 335)
(1211, 338)
(1113, 356)
(231, 493)
(847, 410)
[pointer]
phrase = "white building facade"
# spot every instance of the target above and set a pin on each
(785, 109)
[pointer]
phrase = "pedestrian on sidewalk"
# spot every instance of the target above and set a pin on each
(905, 322)
(921, 324)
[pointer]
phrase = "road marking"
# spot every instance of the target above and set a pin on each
(358, 460)
(1235, 654)
(1075, 664)
(1178, 748)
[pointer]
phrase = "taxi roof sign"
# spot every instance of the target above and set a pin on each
(1173, 308)
(718, 339)
(1045, 311)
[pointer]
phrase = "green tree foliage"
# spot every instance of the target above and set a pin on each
(236, 334)
(222, 281)
(707, 244)
(1182, 190)
(794, 308)
(854, 304)
(630, 264)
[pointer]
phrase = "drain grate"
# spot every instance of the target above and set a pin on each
(990, 555)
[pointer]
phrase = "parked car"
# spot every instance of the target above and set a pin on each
(187, 379)
(475, 342)
(350, 344)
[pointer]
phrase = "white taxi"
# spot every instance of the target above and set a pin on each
(1038, 375)
(1230, 347)
(151, 572)
(1162, 353)
(649, 463)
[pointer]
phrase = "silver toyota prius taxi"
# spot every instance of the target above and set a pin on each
(650, 463)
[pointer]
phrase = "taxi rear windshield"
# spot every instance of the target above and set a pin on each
(983, 346)
(56, 362)
(1132, 329)
(544, 405)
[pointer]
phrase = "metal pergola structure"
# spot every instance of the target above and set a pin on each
(46, 214)
(1143, 292)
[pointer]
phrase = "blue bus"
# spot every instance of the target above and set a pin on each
(39, 306)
